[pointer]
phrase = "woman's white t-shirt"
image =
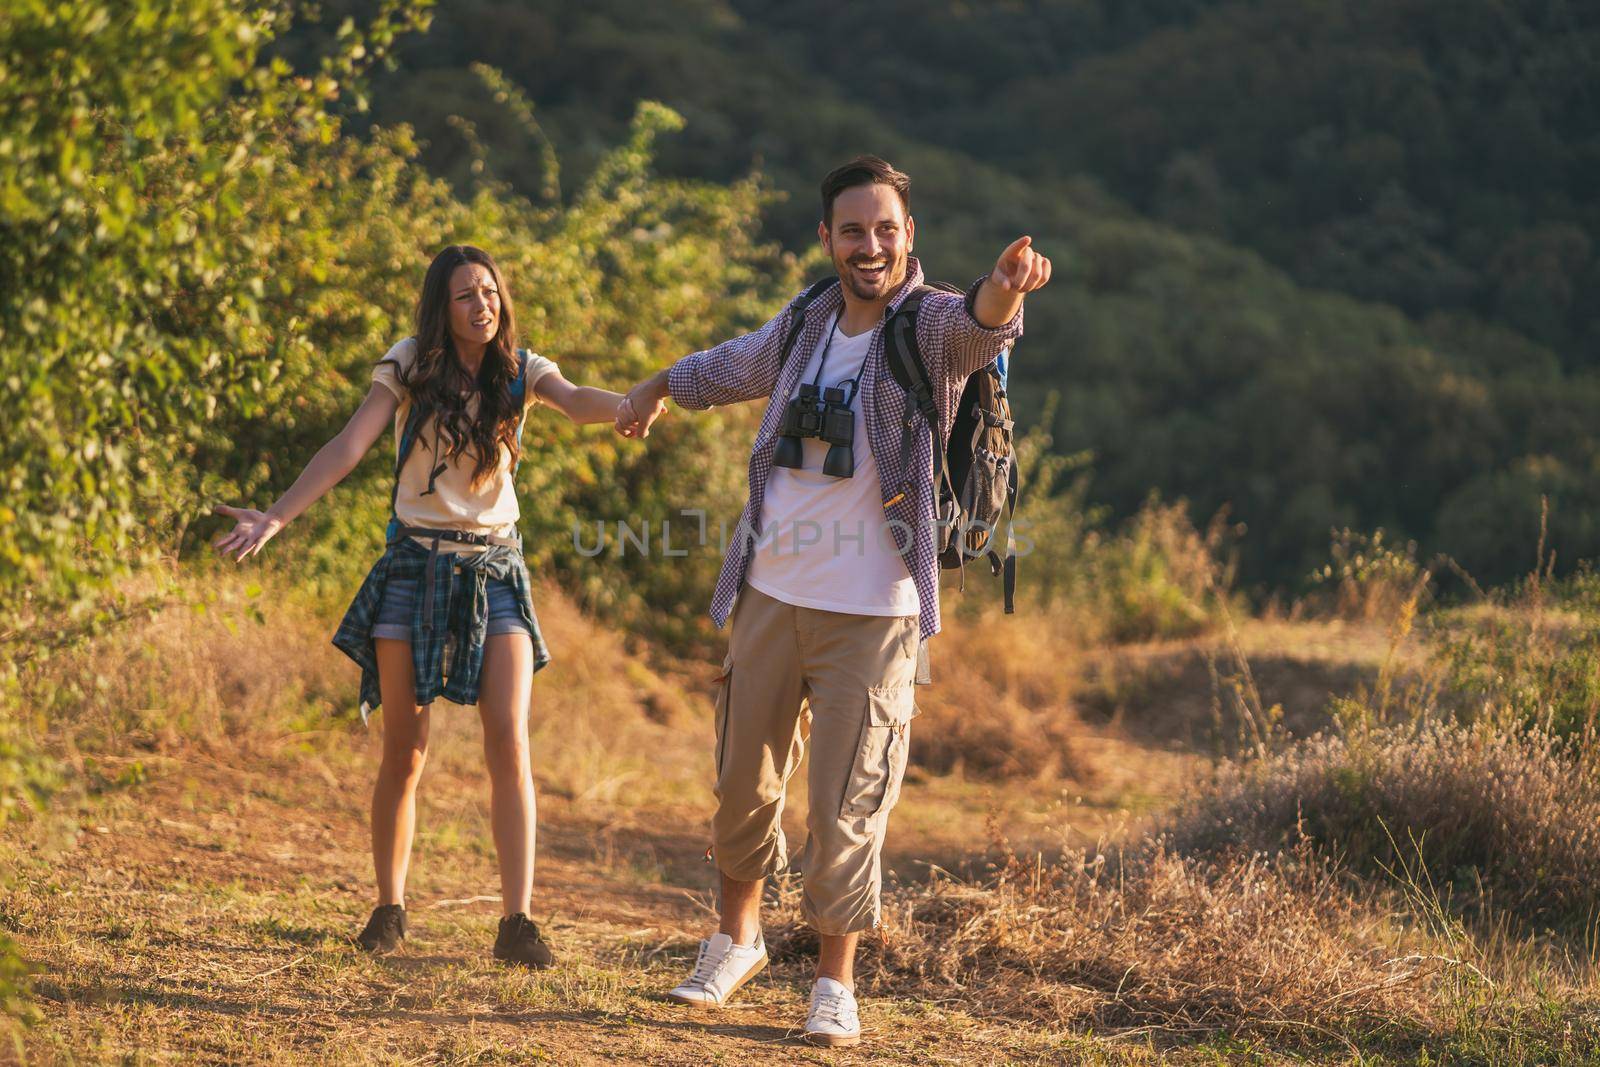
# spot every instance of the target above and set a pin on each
(825, 542)
(490, 507)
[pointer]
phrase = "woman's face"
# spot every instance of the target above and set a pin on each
(474, 305)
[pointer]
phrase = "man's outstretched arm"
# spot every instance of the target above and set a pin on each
(745, 368)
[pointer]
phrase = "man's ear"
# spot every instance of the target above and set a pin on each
(825, 237)
(911, 233)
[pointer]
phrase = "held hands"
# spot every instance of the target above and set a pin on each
(639, 410)
(252, 530)
(1021, 269)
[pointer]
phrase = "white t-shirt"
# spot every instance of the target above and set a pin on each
(490, 507)
(824, 541)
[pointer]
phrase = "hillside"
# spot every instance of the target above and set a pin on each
(1207, 175)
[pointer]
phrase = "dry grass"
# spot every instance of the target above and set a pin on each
(204, 916)
(1162, 945)
(222, 662)
(1504, 820)
(213, 659)
(1001, 706)
(197, 905)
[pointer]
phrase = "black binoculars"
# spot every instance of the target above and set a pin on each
(821, 413)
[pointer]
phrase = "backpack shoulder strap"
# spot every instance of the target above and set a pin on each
(519, 393)
(902, 348)
(408, 440)
(519, 386)
(797, 311)
(905, 355)
(906, 364)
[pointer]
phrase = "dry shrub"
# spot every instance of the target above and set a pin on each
(1163, 943)
(209, 655)
(606, 727)
(1156, 578)
(1367, 577)
(1497, 818)
(219, 661)
(1001, 703)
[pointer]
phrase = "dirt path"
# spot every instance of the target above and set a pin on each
(198, 907)
(202, 915)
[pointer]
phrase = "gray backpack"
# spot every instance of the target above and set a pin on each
(976, 472)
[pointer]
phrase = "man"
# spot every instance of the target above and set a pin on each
(834, 575)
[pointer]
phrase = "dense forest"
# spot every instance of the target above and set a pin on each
(1321, 264)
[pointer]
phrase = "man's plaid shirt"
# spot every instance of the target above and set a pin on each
(953, 345)
(446, 644)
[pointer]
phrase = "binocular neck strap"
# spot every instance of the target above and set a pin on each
(826, 345)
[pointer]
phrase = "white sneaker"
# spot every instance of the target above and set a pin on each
(719, 972)
(833, 1020)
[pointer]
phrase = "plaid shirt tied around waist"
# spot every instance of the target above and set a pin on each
(953, 344)
(448, 629)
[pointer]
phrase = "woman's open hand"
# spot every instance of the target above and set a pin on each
(251, 531)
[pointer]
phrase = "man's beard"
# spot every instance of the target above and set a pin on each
(894, 273)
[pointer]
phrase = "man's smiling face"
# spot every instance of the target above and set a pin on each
(869, 240)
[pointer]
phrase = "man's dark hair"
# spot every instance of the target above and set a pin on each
(863, 170)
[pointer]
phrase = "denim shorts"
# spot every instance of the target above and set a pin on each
(400, 598)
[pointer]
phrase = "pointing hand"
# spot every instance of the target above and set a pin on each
(1020, 268)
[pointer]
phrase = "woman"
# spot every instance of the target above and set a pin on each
(446, 610)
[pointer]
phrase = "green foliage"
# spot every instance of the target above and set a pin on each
(224, 265)
(1530, 660)
(160, 263)
(1428, 154)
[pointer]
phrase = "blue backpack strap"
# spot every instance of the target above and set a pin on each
(519, 387)
(413, 424)
(519, 393)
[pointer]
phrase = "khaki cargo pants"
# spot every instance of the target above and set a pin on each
(856, 673)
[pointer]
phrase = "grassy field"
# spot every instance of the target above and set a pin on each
(1065, 885)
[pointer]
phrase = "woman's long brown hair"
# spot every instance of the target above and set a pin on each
(439, 385)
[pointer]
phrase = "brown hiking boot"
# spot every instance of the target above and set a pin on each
(519, 941)
(384, 931)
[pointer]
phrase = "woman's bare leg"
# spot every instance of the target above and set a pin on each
(405, 750)
(504, 689)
